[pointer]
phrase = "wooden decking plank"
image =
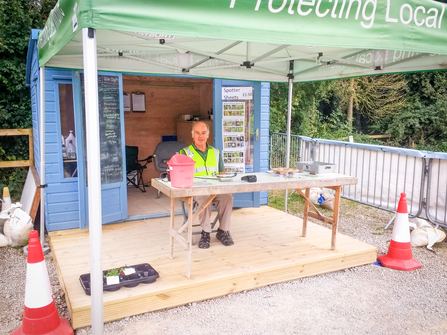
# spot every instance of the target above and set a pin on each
(268, 249)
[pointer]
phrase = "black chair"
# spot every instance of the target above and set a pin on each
(134, 169)
(163, 153)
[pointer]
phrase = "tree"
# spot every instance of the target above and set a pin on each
(423, 123)
(375, 97)
(306, 99)
(17, 18)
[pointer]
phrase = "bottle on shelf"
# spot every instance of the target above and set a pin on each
(72, 138)
(64, 152)
(64, 148)
(71, 150)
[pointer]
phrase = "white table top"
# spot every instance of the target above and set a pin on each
(266, 181)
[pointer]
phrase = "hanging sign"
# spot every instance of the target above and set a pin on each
(237, 93)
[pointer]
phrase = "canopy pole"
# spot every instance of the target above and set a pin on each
(289, 121)
(94, 176)
(42, 154)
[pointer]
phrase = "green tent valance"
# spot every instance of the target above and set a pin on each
(251, 39)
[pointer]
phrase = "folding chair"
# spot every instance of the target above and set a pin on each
(134, 168)
(163, 153)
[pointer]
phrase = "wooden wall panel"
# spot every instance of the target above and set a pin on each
(165, 99)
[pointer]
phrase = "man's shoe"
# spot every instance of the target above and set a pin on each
(224, 237)
(204, 242)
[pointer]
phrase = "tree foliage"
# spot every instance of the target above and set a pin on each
(412, 108)
(306, 100)
(374, 97)
(423, 123)
(17, 18)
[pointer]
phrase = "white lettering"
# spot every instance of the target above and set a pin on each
(305, 3)
(342, 9)
(365, 11)
(440, 18)
(419, 8)
(333, 14)
(317, 10)
(430, 22)
(284, 3)
(369, 18)
(410, 14)
(400, 55)
(290, 10)
(362, 59)
(359, 5)
(387, 16)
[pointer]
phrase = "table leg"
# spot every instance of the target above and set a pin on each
(171, 237)
(176, 234)
(189, 239)
(336, 215)
(306, 212)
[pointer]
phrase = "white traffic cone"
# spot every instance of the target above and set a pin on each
(6, 204)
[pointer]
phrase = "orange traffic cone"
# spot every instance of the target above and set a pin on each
(399, 252)
(40, 316)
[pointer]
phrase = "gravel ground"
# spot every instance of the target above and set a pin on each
(364, 300)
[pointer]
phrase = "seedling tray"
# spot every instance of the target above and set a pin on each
(144, 273)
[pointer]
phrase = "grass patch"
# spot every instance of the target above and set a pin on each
(295, 203)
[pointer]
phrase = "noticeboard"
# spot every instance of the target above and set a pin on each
(109, 128)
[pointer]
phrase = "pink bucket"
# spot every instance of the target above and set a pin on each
(181, 170)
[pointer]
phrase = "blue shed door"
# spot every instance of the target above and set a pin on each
(112, 148)
(237, 128)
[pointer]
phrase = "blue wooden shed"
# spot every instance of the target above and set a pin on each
(137, 110)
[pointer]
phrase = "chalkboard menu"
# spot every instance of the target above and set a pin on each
(109, 128)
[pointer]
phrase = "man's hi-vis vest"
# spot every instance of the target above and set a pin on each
(204, 168)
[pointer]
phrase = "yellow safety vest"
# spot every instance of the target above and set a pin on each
(202, 167)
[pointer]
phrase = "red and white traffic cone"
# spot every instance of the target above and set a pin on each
(399, 252)
(40, 316)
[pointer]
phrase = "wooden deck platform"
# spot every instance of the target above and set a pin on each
(268, 249)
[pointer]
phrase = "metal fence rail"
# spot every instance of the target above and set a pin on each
(383, 173)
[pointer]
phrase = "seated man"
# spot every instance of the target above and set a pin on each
(208, 161)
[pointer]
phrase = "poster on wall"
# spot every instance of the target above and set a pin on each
(233, 123)
(126, 101)
(236, 124)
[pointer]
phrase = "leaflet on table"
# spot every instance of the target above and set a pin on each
(233, 123)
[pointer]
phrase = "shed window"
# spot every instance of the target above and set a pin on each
(68, 132)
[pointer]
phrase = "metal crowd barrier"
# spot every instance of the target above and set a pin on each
(383, 173)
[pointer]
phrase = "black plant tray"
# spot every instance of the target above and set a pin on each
(144, 273)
